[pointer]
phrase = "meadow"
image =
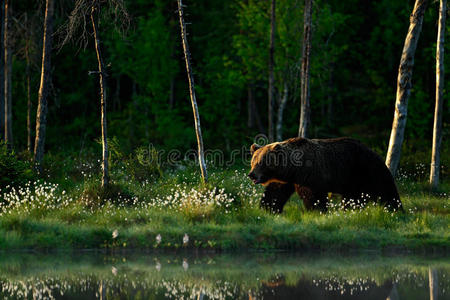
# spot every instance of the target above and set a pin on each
(148, 207)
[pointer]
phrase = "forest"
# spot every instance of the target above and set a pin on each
(98, 95)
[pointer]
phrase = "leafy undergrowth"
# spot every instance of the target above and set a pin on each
(175, 212)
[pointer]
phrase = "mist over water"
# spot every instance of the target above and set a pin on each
(187, 275)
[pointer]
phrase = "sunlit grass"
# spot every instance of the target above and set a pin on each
(223, 214)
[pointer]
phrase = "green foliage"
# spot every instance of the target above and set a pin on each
(94, 195)
(13, 171)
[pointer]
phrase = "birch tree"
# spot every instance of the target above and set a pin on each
(437, 126)
(7, 41)
(44, 86)
(92, 9)
(282, 104)
(304, 86)
(187, 58)
(404, 85)
(271, 91)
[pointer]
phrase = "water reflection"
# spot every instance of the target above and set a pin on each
(211, 276)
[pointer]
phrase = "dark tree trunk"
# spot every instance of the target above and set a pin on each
(281, 106)
(404, 86)
(271, 92)
(28, 74)
(8, 76)
(102, 75)
(437, 126)
(2, 76)
(303, 130)
(187, 58)
(41, 115)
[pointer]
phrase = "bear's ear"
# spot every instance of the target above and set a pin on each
(276, 147)
(253, 148)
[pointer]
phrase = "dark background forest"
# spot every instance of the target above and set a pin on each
(356, 48)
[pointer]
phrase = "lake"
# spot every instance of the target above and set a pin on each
(189, 275)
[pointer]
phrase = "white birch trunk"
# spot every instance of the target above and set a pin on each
(187, 58)
(102, 75)
(303, 130)
(404, 86)
(271, 90)
(281, 108)
(437, 126)
(8, 75)
(41, 115)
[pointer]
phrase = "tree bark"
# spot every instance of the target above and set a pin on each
(271, 90)
(8, 76)
(44, 87)
(102, 75)
(404, 86)
(28, 75)
(437, 126)
(187, 58)
(281, 108)
(2, 76)
(303, 129)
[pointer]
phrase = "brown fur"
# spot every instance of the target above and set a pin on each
(314, 168)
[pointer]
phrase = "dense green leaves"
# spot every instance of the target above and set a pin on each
(355, 55)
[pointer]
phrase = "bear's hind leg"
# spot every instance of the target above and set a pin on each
(312, 200)
(275, 196)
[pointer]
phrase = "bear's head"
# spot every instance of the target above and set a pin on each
(269, 163)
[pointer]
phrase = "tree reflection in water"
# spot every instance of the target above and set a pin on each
(249, 276)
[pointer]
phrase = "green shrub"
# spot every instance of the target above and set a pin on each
(94, 195)
(13, 171)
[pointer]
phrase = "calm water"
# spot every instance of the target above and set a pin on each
(225, 276)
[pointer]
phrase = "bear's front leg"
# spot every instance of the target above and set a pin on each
(275, 196)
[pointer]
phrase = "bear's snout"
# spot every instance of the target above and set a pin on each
(253, 177)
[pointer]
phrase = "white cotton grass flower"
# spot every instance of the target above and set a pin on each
(185, 264)
(115, 234)
(158, 239)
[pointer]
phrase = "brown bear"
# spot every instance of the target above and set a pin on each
(315, 167)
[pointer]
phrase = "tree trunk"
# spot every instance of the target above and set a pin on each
(404, 86)
(303, 129)
(187, 58)
(41, 115)
(433, 283)
(102, 75)
(437, 126)
(2, 76)
(271, 75)
(8, 76)
(281, 107)
(28, 74)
